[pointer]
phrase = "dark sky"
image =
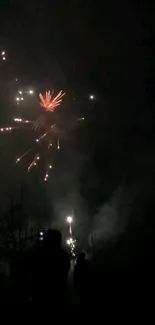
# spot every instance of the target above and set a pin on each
(84, 47)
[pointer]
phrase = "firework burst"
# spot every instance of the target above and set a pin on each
(49, 103)
(45, 131)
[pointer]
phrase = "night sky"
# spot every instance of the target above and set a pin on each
(106, 166)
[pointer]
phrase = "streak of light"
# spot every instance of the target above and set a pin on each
(49, 144)
(58, 144)
(24, 154)
(33, 163)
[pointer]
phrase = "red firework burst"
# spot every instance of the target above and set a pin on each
(49, 103)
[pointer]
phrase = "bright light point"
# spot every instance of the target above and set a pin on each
(58, 147)
(69, 219)
(22, 98)
(31, 92)
(7, 129)
(34, 163)
(10, 128)
(50, 166)
(38, 157)
(83, 118)
(46, 175)
(45, 179)
(68, 241)
(37, 140)
(20, 92)
(41, 233)
(16, 79)
(17, 99)
(4, 58)
(18, 159)
(1, 129)
(26, 121)
(91, 97)
(3, 53)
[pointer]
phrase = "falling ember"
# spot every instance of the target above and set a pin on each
(47, 172)
(24, 154)
(33, 163)
(49, 145)
(48, 103)
(58, 144)
(6, 129)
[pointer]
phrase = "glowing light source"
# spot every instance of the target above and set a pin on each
(22, 98)
(3, 53)
(91, 97)
(69, 219)
(31, 92)
(4, 58)
(20, 92)
(17, 99)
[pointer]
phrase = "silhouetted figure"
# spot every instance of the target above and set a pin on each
(82, 276)
(50, 270)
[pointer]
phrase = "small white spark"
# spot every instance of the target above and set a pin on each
(22, 98)
(37, 140)
(3, 53)
(38, 157)
(31, 92)
(17, 99)
(34, 163)
(50, 166)
(91, 97)
(47, 175)
(4, 58)
(1, 129)
(20, 92)
(18, 159)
